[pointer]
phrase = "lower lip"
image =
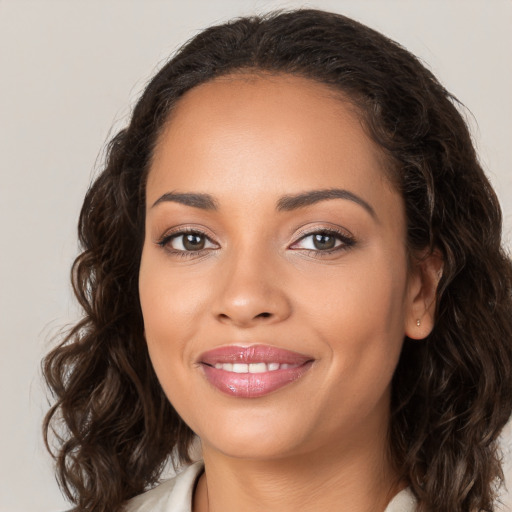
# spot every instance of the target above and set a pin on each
(253, 385)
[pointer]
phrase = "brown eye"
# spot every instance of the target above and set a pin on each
(323, 241)
(187, 241)
(193, 242)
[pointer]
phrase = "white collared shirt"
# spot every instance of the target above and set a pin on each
(175, 495)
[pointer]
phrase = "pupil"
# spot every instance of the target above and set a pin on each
(321, 241)
(193, 242)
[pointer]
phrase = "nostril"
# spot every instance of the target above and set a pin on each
(245, 318)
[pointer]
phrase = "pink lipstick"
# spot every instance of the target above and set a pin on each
(250, 372)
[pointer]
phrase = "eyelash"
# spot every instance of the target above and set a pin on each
(166, 239)
(347, 241)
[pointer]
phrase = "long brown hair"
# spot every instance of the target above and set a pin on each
(452, 392)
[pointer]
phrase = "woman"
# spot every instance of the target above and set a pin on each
(292, 253)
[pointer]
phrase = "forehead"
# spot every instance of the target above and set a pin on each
(244, 132)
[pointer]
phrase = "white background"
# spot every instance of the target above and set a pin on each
(69, 70)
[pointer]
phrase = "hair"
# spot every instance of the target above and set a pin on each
(451, 393)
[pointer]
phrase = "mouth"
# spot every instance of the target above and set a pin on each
(254, 371)
(253, 367)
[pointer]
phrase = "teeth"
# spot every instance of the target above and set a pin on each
(226, 366)
(257, 368)
(240, 368)
(252, 367)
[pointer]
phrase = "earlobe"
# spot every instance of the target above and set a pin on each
(424, 280)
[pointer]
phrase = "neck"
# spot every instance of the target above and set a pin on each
(359, 477)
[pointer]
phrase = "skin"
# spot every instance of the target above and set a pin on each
(320, 441)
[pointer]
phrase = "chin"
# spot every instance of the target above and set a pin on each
(252, 438)
(250, 447)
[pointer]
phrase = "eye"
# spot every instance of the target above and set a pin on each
(187, 241)
(326, 241)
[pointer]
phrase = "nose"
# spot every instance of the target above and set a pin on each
(251, 291)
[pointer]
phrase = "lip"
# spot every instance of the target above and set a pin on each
(253, 385)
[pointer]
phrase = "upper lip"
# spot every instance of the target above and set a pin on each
(252, 354)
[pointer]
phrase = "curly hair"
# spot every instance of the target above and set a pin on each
(451, 393)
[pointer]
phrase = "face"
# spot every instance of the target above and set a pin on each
(274, 280)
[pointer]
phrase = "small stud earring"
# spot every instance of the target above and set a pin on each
(418, 322)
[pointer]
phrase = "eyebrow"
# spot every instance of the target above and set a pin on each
(286, 203)
(203, 201)
(294, 202)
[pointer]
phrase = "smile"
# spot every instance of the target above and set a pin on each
(251, 372)
(252, 367)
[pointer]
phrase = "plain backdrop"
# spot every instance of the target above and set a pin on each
(69, 71)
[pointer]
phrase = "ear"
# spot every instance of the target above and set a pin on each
(424, 276)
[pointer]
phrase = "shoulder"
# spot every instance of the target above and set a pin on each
(174, 494)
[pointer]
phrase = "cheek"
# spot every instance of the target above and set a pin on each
(170, 298)
(170, 309)
(363, 296)
(359, 316)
